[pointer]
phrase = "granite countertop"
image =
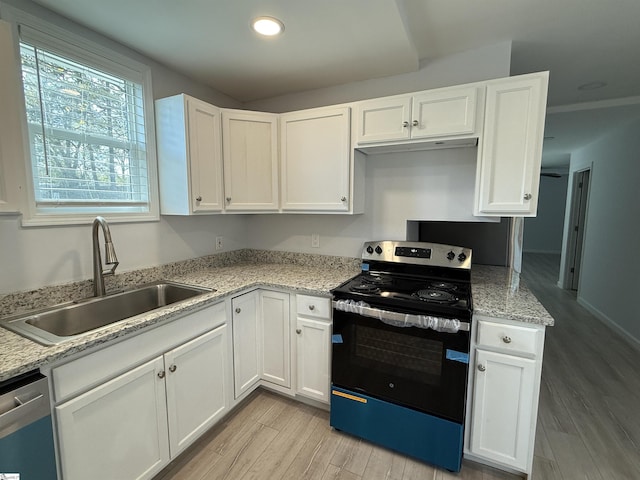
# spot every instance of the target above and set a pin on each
(499, 292)
(492, 288)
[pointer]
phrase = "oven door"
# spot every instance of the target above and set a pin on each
(416, 367)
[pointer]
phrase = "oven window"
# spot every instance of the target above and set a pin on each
(407, 356)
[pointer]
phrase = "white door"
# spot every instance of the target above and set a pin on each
(383, 120)
(313, 346)
(118, 429)
(315, 160)
(247, 344)
(250, 155)
(196, 387)
(511, 148)
(276, 350)
(444, 112)
(503, 417)
(204, 156)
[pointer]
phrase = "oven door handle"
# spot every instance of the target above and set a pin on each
(398, 319)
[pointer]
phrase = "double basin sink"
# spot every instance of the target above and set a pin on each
(72, 320)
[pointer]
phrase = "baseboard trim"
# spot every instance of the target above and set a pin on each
(626, 336)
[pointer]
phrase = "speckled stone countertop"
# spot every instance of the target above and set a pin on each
(499, 292)
(19, 355)
(493, 294)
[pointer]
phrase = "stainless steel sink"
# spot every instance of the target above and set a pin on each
(67, 321)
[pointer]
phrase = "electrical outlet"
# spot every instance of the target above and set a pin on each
(315, 240)
(218, 243)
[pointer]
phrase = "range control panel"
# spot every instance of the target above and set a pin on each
(419, 253)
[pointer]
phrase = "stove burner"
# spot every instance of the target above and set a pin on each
(364, 288)
(436, 296)
(447, 286)
(371, 280)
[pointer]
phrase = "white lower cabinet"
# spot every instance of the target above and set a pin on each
(132, 425)
(247, 344)
(117, 430)
(505, 387)
(276, 338)
(503, 405)
(195, 382)
(313, 346)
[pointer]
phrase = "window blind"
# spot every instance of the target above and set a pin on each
(86, 132)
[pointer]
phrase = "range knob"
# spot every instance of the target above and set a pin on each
(369, 249)
(462, 257)
(451, 255)
(378, 250)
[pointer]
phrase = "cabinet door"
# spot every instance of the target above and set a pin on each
(444, 112)
(250, 154)
(276, 350)
(313, 346)
(196, 374)
(316, 160)
(117, 430)
(247, 344)
(383, 120)
(204, 156)
(511, 148)
(503, 416)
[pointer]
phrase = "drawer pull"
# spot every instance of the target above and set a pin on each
(173, 368)
(298, 331)
(238, 310)
(506, 339)
(312, 307)
(161, 374)
(481, 367)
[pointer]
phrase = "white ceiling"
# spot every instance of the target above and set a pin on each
(331, 42)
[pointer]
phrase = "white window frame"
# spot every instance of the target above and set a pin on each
(81, 49)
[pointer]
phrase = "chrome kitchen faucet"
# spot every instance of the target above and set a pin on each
(109, 254)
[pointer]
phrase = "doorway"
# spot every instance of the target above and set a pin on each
(577, 219)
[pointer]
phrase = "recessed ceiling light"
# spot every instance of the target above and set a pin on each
(592, 85)
(267, 26)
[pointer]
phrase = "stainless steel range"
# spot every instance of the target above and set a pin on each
(401, 349)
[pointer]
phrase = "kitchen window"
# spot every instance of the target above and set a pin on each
(89, 129)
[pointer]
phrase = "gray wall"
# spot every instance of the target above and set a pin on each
(610, 275)
(543, 234)
(37, 256)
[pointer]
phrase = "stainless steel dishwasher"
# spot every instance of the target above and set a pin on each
(26, 434)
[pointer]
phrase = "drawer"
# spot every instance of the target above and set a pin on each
(509, 338)
(310, 306)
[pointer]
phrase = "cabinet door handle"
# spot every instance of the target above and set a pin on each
(312, 307)
(343, 199)
(415, 123)
(173, 368)
(198, 198)
(161, 374)
(481, 367)
(506, 339)
(405, 124)
(238, 310)
(228, 199)
(298, 331)
(527, 196)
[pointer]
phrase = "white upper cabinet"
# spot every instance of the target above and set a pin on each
(12, 154)
(510, 151)
(315, 160)
(432, 114)
(189, 156)
(250, 156)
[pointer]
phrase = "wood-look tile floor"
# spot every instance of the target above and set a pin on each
(588, 423)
